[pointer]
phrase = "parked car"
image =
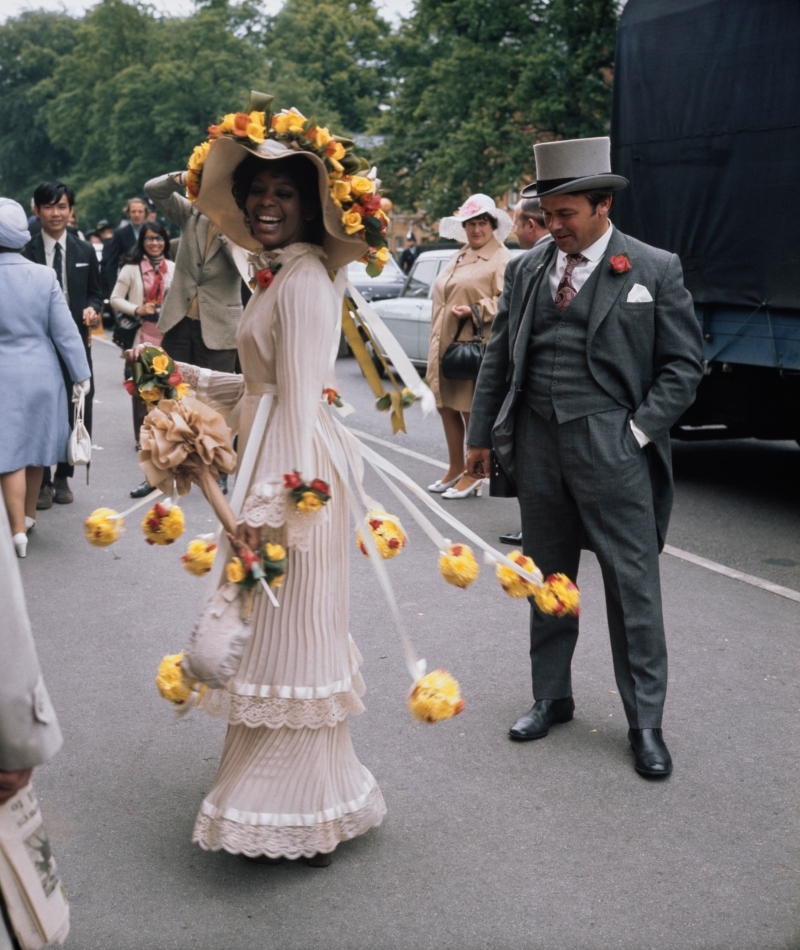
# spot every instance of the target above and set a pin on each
(409, 315)
(388, 285)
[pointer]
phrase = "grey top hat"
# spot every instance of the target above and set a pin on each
(573, 165)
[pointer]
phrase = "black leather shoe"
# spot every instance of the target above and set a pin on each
(650, 754)
(536, 722)
(141, 490)
(511, 538)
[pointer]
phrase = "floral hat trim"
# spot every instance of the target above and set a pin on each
(354, 193)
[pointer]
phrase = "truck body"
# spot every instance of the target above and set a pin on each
(706, 127)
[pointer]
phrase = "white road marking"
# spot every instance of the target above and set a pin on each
(731, 572)
(695, 559)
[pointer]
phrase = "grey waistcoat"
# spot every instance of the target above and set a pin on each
(558, 378)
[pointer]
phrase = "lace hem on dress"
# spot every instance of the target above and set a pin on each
(268, 505)
(288, 841)
(275, 712)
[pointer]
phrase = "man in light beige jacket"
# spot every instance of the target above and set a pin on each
(203, 306)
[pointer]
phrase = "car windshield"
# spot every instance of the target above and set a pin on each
(421, 278)
(358, 271)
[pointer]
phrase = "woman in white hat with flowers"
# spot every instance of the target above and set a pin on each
(467, 289)
(289, 783)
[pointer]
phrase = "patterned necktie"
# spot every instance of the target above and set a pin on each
(566, 292)
(58, 265)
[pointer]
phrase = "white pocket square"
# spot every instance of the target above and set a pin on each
(639, 294)
(81, 265)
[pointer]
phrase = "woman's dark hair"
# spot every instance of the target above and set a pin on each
(137, 255)
(485, 214)
(303, 175)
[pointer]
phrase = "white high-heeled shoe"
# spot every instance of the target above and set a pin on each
(30, 524)
(439, 486)
(465, 492)
(21, 544)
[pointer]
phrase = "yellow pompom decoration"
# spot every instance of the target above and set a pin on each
(458, 565)
(435, 696)
(199, 556)
(511, 582)
(559, 597)
(100, 529)
(163, 524)
(172, 682)
(390, 539)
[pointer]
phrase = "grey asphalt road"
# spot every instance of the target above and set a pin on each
(487, 843)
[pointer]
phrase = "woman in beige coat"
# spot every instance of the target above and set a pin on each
(473, 277)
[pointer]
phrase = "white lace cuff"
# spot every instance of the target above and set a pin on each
(269, 505)
(191, 375)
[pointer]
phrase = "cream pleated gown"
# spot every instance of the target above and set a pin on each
(289, 782)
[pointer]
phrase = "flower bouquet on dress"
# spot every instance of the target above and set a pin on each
(155, 377)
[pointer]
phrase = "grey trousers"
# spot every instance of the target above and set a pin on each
(588, 479)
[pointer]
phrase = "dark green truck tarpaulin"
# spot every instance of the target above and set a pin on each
(706, 127)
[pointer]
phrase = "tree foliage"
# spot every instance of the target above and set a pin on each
(330, 59)
(460, 91)
(481, 82)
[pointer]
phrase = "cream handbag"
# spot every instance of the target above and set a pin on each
(79, 449)
(216, 644)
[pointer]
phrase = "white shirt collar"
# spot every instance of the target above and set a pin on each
(595, 251)
(50, 244)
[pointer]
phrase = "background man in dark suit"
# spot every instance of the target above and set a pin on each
(410, 254)
(529, 227)
(78, 273)
(123, 242)
(594, 355)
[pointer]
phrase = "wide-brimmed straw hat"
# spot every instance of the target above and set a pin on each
(453, 227)
(353, 220)
(573, 165)
(217, 203)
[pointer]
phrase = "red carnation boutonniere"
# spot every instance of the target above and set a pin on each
(266, 275)
(620, 263)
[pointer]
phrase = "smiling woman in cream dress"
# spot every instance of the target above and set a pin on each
(289, 783)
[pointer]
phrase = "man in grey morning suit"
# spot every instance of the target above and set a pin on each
(594, 355)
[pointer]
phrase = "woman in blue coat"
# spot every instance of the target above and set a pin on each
(35, 325)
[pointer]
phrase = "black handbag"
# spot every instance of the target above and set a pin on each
(463, 358)
(500, 484)
(124, 331)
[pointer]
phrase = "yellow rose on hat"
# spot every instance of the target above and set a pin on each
(255, 127)
(361, 185)
(382, 256)
(340, 189)
(321, 138)
(286, 122)
(227, 123)
(198, 157)
(335, 150)
(351, 222)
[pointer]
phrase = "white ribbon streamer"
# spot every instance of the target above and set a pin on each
(243, 476)
(379, 462)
